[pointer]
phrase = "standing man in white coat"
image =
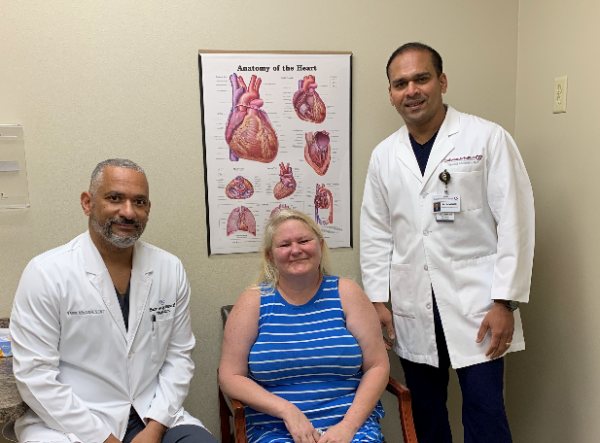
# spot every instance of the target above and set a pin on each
(447, 228)
(101, 330)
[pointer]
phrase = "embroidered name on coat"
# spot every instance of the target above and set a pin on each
(87, 312)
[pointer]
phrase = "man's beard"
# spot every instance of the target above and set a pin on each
(105, 230)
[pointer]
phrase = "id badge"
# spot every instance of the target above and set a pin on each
(444, 216)
(447, 203)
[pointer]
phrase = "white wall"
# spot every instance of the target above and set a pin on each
(552, 388)
(91, 80)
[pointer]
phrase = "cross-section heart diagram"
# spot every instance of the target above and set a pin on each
(323, 200)
(317, 151)
(287, 183)
(239, 187)
(308, 104)
(249, 132)
(241, 219)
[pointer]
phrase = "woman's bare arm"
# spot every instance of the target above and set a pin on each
(362, 322)
(241, 331)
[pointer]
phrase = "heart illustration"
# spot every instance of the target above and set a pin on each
(323, 200)
(317, 151)
(307, 102)
(239, 187)
(241, 219)
(249, 132)
(278, 209)
(287, 183)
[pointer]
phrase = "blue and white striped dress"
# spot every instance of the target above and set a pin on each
(306, 355)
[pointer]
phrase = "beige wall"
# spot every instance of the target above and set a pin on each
(90, 80)
(552, 388)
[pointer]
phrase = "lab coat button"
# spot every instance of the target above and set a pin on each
(426, 267)
(425, 232)
(428, 305)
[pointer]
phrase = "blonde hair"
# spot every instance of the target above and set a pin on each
(268, 272)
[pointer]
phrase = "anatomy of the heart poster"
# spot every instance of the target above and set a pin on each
(277, 134)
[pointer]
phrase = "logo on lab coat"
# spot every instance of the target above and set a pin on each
(163, 308)
(468, 160)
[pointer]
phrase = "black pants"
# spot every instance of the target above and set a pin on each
(484, 416)
(178, 434)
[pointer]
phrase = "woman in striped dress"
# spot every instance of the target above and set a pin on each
(303, 349)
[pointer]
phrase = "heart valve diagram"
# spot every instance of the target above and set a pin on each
(239, 188)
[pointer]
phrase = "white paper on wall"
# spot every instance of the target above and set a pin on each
(13, 174)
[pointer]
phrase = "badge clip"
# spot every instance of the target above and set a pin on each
(445, 178)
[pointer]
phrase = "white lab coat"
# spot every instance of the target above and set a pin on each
(405, 251)
(75, 364)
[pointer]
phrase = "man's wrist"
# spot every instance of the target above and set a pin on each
(511, 305)
(156, 427)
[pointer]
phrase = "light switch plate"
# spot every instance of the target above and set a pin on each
(560, 95)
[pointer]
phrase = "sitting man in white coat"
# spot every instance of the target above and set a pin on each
(101, 331)
(447, 228)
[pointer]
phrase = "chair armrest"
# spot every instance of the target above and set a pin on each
(398, 389)
(236, 408)
(230, 407)
(404, 409)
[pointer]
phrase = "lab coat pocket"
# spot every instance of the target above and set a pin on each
(473, 278)
(161, 332)
(469, 186)
(401, 289)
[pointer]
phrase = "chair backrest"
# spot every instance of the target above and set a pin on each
(225, 310)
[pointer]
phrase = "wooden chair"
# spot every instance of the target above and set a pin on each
(232, 408)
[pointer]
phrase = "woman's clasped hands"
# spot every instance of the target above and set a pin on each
(302, 430)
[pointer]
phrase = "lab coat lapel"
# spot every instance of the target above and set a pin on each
(141, 283)
(405, 153)
(443, 144)
(100, 279)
